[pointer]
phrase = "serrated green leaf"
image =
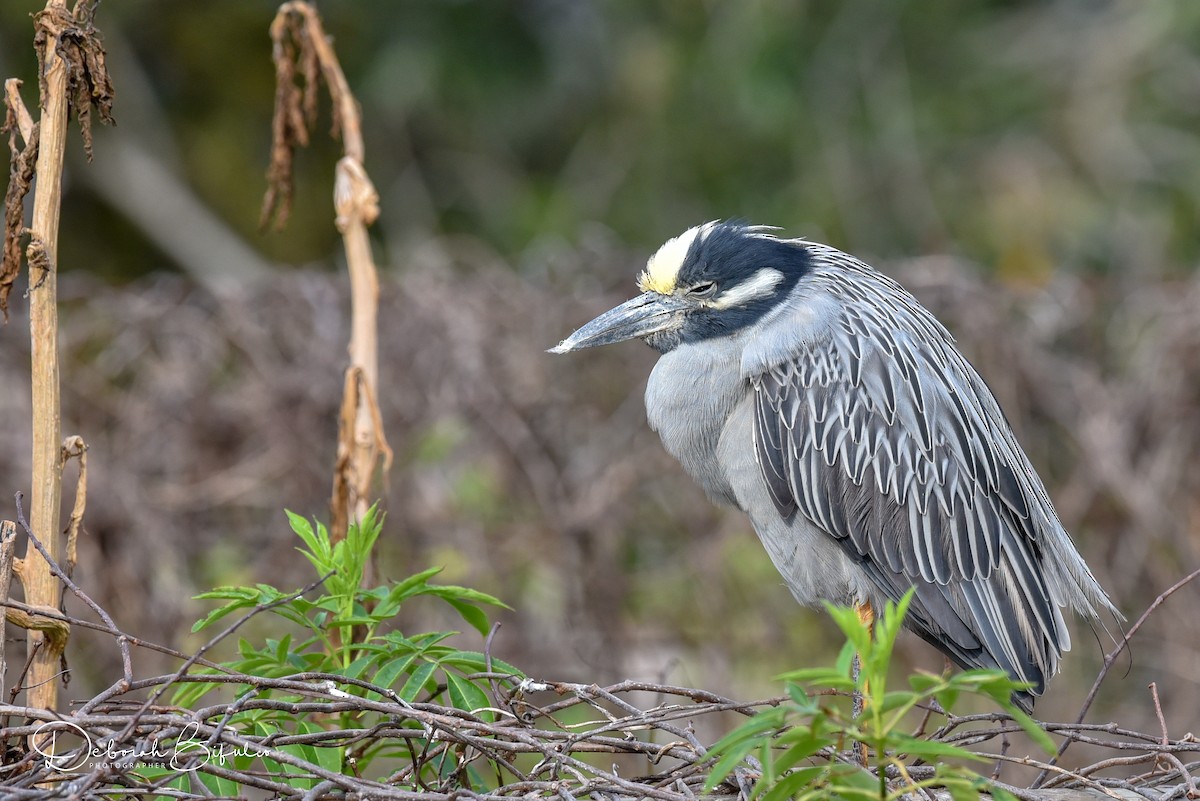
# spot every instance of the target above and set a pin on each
(451, 591)
(390, 671)
(416, 681)
(217, 614)
(466, 696)
(476, 662)
(356, 668)
(409, 586)
(428, 639)
(473, 615)
(299, 524)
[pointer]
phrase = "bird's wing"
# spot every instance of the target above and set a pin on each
(872, 426)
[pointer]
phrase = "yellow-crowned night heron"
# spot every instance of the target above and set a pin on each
(821, 398)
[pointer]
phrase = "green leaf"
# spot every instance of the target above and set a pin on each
(417, 681)
(351, 621)
(226, 593)
(795, 782)
(845, 658)
(473, 615)
(960, 789)
(915, 746)
(418, 643)
(801, 701)
(390, 671)
(802, 743)
(317, 540)
(731, 757)
(947, 698)
(924, 682)
(410, 586)
(321, 566)
(466, 696)
(328, 757)
(739, 743)
(852, 780)
(898, 699)
(217, 614)
(1031, 727)
(476, 662)
(188, 694)
(356, 668)
(820, 676)
(855, 630)
(452, 592)
(219, 786)
(999, 793)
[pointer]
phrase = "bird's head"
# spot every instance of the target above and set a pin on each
(710, 281)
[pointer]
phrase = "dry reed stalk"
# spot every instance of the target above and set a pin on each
(301, 48)
(41, 587)
(73, 78)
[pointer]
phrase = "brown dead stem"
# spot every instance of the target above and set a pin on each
(73, 78)
(302, 52)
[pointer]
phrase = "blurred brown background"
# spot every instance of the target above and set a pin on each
(1030, 170)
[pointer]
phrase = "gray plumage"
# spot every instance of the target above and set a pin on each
(820, 397)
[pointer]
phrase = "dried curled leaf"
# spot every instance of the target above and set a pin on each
(302, 54)
(22, 161)
(296, 72)
(82, 52)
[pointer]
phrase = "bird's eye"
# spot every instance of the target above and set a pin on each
(703, 290)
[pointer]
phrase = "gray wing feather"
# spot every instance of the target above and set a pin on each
(871, 425)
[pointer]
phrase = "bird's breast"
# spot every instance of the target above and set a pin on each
(690, 397)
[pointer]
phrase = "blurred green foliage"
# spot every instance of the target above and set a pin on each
(1026, 136)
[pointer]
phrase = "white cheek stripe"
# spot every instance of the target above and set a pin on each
(756, 286)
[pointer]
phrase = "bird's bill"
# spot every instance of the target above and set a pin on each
(642, 316)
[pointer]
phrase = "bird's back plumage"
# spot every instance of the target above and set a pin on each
(873, 427)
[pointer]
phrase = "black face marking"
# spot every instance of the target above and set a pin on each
(721, 258)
